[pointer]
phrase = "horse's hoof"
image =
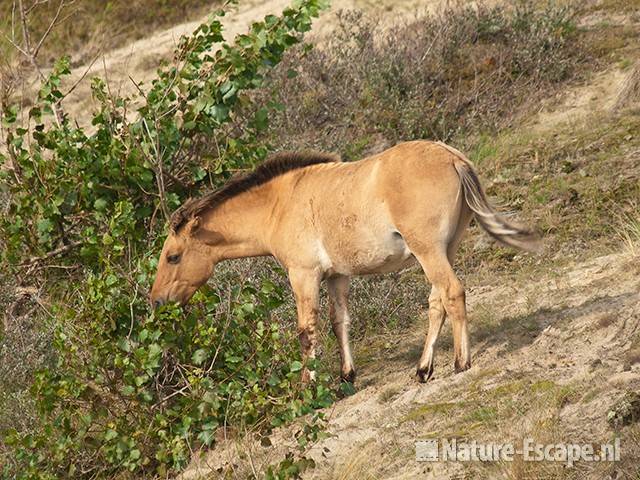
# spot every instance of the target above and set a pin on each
(349, 377)
(424, 374)
(461, 368)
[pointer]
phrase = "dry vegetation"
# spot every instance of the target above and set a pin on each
(88, 27)
(440, 76)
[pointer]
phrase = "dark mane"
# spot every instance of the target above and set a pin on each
(276, 165)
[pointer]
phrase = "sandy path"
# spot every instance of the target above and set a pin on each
(140, 59)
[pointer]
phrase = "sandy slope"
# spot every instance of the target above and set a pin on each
(564, 341)
(566, 329)
(583, 100)
(139, 60)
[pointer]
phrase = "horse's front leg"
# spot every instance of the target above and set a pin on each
(338, 288)
(305, 284)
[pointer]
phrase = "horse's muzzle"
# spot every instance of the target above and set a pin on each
(158, 302)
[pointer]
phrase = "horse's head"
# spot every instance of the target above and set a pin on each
(185, 264)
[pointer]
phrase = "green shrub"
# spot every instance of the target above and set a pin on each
(141, 392)
(132, 390)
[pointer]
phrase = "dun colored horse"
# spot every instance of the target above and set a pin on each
(323, 219)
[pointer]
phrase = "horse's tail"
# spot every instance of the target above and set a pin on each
(489, 219)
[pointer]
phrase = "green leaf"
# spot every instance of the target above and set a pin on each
(128, 390)
(207, 437)
(44, 226)
(100, 204)
(199, 356)
(155, 350)
(124, 344)
(273, 380)
(347, 389)
(261, 120)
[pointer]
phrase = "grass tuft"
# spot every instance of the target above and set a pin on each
(629, 230)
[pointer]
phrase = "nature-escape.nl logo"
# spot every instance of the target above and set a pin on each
(453, 450)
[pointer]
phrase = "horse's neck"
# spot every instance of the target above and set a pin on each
(243, 223)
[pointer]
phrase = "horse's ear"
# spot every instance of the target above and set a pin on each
(193, 226)
(209, 237)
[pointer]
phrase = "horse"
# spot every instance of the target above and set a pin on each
(328, 220)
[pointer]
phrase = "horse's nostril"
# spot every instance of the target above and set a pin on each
(158, 303)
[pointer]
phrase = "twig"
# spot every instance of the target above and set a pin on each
(135, 84)
(15, 45)
(49, 28)
(25, 33)
(177, 392)
(158, 171)
(135, 297)
(52, 253)
(35, 4)
(84, 74)
(32, 54)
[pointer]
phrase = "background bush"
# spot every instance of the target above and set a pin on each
(463, 70)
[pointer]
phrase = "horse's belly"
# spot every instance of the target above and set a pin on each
(383, 254)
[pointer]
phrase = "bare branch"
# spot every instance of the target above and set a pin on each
(25, 28)
(82, 77)
(35, 4)
(16, 46)
(32, 53)
(52, 253)
(49, 28)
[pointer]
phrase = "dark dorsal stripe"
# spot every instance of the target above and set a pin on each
(276, 165)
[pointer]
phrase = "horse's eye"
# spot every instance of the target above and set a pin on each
(173, 258)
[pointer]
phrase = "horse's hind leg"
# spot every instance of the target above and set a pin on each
(436, 320)
(440, 274)
(428, 208)
(437, 311)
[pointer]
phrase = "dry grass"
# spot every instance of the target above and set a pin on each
(25, 347)
(614, 6)
(573, 183)
(630, 92)
(359, 466)
(629, 230)
(517, 410)
(91, 26)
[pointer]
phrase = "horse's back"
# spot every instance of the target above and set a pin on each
(354, 216)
